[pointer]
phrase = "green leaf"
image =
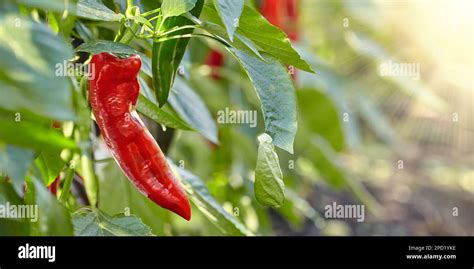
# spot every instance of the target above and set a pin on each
(14, 162)
(192, 110)
(269, 185)
(203, 200)
(97, 223)
(274, 88)
(98, 46)
(12, 226)
(30, 135)
(53, 218)
(29, 81)
(152, 111)
(240, 42)
(95, 10)
(167, 55)
(230, 11)
(318, 114)
(50, 165)
(269, 38)
(171, 8)
(277, 96)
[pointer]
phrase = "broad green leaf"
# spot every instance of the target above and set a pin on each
(167, 55)
(269, 186)
(95, 10)
(53, 218)
(152, 111)
(98, 46)
(318, 114)
(193, 111)
(30, 135)
(270, 38)
(240, 42)
(12, 226)
(203, 200)
(267, 37)
(230, 11)
(274, 88)
(50, 165)
(94, 222)
(14, 162)
(30, 81)
(277, 96)
(171, 8)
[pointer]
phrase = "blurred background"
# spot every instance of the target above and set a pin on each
(386, 121)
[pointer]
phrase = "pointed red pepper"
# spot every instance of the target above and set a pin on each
(113, 94)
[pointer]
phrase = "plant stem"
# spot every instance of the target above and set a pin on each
(188, 36)
(161, 25)
(177, 29)
(67, 184)
(151, 12)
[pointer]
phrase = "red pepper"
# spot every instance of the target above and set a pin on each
(113, 93)
(54, 186)
(215, 59)
(283, 14)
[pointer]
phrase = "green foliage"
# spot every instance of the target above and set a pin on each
(269, 185)
(176, 92)
(167, 55)
(95, 10)
(193, 110)
(152, 111)
(171, 8)
(319, 114)
(98, 46)
(12, 226)
(53, 217)
(29, 81)
(97, 223)
(230, 11)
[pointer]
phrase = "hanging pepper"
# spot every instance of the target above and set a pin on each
(113, 94)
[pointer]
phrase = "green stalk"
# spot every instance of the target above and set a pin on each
(67, 184)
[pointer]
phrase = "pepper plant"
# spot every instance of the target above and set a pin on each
(52, 155)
